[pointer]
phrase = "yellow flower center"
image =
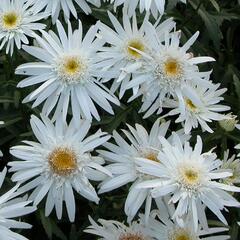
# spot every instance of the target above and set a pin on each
(10, 20)
(137, 44)
(190, 177)
(72, 69)
(183, 237)
(72, 65)
(181, 234)
(190, 105)
(63, 161)
(172, 68)
(131, 236)
(152, 156)
(169, 73)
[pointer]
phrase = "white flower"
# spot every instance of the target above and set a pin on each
(123, 40)
(163, 228)
(17, 22)
(122, 165)
(155, 6)
(192, 178)
(68, 72)
(159, 227)
(12, 208)
(60, 162)
(233, 164)
(112, 230)
(200, 107)
(170, 71)
(68, 6)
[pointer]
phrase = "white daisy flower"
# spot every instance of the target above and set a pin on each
(201, 106)
(12, 208)
(17, 22)
(155, 6)
(60, 162)
(67, 72)
(123, 40)
(122, 165)
(157, 228)
(233, 164)
(67, 6)
(191, 177)
(164, 228)
(112, 230)
(170, 71)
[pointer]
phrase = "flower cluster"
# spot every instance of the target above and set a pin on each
(76, 74)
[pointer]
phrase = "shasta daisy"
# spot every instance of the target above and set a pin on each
(120, 56)
(68, 73)
(67, 6)
(170, 70)
(10, 209)
(17, 23)
(191, 178)
(155, 6)
(122, 156)
(59, 162)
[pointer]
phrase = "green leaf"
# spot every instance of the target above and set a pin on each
(212, 27)
(215, 5)
(236, 82)
(46, 223)
(57, 231)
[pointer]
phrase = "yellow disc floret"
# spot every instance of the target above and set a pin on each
(63, 161)
(10, 20)
(131, 236)
(135, 44)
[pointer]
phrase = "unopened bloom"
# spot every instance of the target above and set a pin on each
(232, 163)
(229, 123)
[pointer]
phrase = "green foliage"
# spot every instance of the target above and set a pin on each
(219, 24)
